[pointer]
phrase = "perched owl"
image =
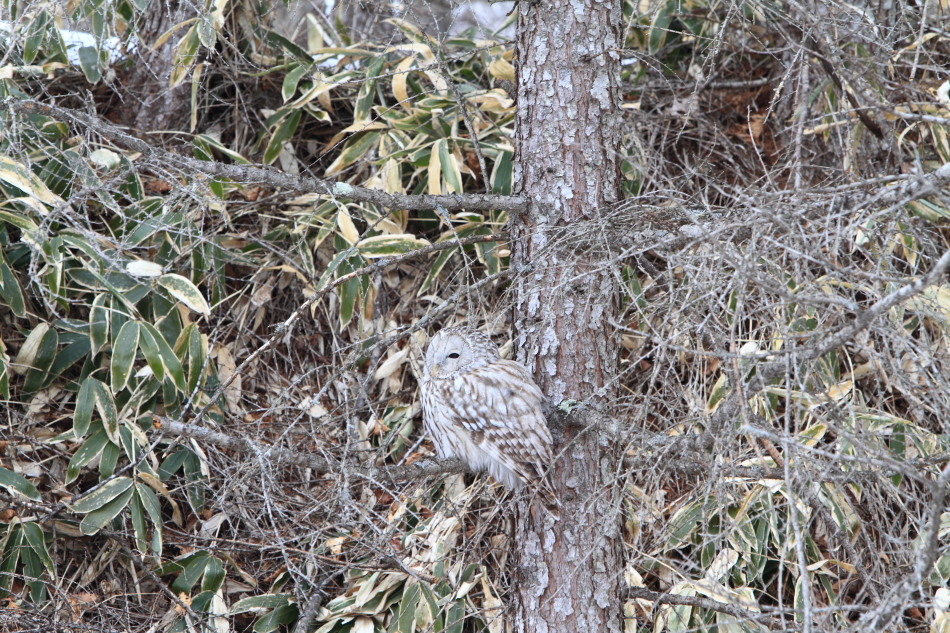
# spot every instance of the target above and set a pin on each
(482, 409)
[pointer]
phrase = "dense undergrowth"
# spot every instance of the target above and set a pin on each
(132, 294)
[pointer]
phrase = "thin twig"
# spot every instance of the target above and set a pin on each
(247, 174)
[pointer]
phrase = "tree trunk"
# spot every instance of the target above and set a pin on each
(568, 572)
(149, 104)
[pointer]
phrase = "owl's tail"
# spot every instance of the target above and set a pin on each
(546, 496)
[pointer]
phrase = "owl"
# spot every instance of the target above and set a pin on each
(484, 410)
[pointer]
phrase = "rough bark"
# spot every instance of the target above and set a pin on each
(568, 572)
(149, 104)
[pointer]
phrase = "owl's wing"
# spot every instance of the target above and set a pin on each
(505, 418)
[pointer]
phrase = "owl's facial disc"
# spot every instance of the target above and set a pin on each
(447, 355)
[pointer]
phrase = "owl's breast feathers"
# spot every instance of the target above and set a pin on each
(491, 418)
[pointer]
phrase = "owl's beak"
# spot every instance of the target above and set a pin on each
(434, 372)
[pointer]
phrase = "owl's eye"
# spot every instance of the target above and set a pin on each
(454, 355)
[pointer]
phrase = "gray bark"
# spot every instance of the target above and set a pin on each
(568, 572)
(149, 104)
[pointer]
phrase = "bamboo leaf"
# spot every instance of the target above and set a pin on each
(89, 63)
(169, 359)
(450, 168)
(284, 132)
(353, 150)
(435, 168)
(42, 361)
(99, 322)
(24, 358)
(152, 356)
(139, 526)
(102, 496)
(293, 77)
(107, 411)
(389, 245)
(17, 483)
(85, 403)
(123, 355)
(37, 541)
(197, 354)
(347, 228)
(96, 520)
(185, 291)
(184, 56)
(90, 449)
(10, 291)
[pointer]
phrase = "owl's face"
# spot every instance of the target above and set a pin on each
(458, 350)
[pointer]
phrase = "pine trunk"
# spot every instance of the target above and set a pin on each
(149, 103)
(568, 573)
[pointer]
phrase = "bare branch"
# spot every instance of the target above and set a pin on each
(314, 462)
(272, 177)
(737, 612)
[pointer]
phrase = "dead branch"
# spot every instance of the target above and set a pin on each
(272, 177)
(707, 603)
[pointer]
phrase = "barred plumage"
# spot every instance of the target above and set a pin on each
(483, 409)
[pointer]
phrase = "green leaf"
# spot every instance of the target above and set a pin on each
(139, 526)
(273, 620)
(154, 510)
(255, 603)
(349, 293)
(70, 354)
(90, 449)
(95, 520)
(185, 291)
(197, 354)
(10, 291)
(37, 541)
(289, 87)
(99, 321)
(110, 457)
(33, 574)
(17, 483)
(455, 617)
(191, 573)
(353, 150)
(4, 374)
(130, 445)
(195, 486)
(206, 33)
(184, 56)
(450, 168)
(501, 177)
(206, 143)
(169, 359)
(389, 245)
(214, 575)
(152, 356)
(11, 556)
(102, 496)
(172, 463)
(123, 355)
(85, 402)
(89, 63)
(364, 100)
(35, 34)
(42, 361)
(10, 173)
(284, 132)
(407, 609)
(107, 411)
